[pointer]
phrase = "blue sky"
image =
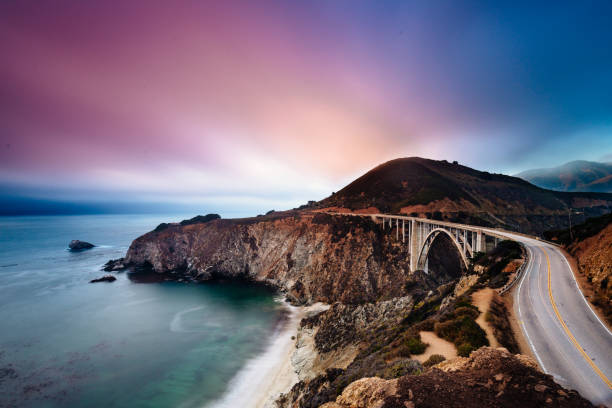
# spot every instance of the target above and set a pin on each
(271, 103)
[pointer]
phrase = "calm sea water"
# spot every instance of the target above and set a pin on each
(66, 342)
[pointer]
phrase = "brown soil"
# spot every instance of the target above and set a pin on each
(436, 346)
(482, 299)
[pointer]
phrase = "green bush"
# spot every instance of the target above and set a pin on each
(462, 331)
(199, 219)
(415, 345)
(401, 368)
(447, 330)
(465, 349)
(433, 360)
(471, 332)
(425, 325)
(466, 311)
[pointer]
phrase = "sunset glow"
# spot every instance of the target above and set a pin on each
(287, 101)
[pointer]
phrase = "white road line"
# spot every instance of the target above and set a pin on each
(518, 302)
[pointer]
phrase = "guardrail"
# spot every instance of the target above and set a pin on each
(519, 272)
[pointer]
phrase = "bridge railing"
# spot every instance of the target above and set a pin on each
(519, 272)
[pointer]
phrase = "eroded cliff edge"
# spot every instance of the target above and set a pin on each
(311, 257)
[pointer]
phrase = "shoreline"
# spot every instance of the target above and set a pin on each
(261, 381)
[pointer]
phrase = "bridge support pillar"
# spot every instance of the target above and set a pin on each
(480, 242)
(396, 229)
(414, 239)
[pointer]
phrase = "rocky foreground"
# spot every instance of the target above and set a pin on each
(488, 378)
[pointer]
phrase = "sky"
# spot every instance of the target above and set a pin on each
(253, 105)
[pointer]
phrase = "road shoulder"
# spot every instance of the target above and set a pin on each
(585, 287)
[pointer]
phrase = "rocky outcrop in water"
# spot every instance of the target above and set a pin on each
(114, 265)
(76, 245)
(105, 278)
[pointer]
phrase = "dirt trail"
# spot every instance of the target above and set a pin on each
(482, 299)
(436, 346)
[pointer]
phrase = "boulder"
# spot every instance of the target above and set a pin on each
(105, 278)
(114, 265)
(76, 245)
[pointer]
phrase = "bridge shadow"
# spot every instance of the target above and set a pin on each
(444, 262)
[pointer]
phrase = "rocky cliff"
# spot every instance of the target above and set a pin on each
(310, 257)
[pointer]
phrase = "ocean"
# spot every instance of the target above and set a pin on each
(67, 342)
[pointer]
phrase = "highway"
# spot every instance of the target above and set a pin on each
(569, 341)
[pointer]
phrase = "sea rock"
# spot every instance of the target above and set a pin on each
(105, 278)
(76, 245)
(114, 265)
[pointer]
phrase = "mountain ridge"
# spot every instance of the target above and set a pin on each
(577, 175)
(453, 192)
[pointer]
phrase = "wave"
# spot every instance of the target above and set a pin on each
(267, 375)
(176, 324)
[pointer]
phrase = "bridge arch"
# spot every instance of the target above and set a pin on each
(430, 238)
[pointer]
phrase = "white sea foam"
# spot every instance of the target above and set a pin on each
(176, 325)
(267, 375)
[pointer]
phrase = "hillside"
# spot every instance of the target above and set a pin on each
(579, 175)
(450, 191)
(590, 244)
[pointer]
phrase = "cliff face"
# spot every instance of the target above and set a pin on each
(310, 257)
(594, 258)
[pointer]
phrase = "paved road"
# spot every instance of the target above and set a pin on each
(567, 338)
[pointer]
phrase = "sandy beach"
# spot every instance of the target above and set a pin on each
(265, 377)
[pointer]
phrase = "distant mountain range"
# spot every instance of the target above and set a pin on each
(579, 175)
(452, 192)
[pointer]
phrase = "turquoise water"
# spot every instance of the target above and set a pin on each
(66, 342)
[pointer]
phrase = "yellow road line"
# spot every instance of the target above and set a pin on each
(569, 333)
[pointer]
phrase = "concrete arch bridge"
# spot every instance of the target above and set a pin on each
(421, 233)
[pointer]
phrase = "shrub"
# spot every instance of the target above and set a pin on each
(161, 227)
(447, 330)
(471, 332)
(433, 360)
(198, 219)
(497, 316)
(465, 349)
(415, 345)
(401, 368)
(462, 331)
(425, 325)
(402, 351)
(466, 311)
